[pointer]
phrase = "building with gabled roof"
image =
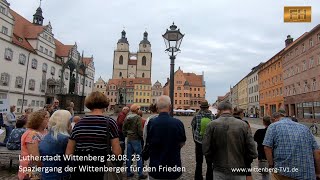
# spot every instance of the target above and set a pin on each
(35, 65)
(189, 90)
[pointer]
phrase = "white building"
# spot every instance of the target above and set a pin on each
(32, 62)
(253, 91)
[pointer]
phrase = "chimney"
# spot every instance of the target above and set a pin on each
(289, 40)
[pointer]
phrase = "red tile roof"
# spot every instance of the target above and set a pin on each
(87, 60)
(24, 30)
(193, 79)
(61, 49)
(19, 31)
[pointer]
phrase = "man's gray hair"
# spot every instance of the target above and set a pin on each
(163, 102)
(224, 106)
(276, 115)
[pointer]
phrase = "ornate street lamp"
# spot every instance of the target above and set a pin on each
(172, 38)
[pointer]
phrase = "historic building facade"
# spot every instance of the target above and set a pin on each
(131, 65)
(243, 94)
(271, 85)
(234, 96)
(157, 91)
(35, 66)
(301, 66)
(100, 86)
(142, 93)
(132, 90)
(253, 92)
(189, 90)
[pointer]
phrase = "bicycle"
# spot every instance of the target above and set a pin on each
(314, 128)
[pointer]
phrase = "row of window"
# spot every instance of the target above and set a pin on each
(5, 79)
(253, 89)
(143, 63)
(186, 102)
(296, 70)
(254, 99)
(272, 68)
(298, 89)
(144, 94)
(194, 89)
(46, 51)
(142, 101)
(156, 93)
(271, 94)
(303, 47)
(186, 95)
(120, 75)
(254, 79)
(271, 81)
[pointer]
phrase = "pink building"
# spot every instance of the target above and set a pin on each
(301, 75)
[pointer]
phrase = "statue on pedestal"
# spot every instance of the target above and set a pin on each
(121, 99)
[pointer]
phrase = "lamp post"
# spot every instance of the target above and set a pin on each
(172, 38)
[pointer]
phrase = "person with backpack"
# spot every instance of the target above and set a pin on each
(199, 124)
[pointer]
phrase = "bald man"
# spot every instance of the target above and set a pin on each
(132, 129)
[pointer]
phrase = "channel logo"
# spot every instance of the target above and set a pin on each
(297, 14)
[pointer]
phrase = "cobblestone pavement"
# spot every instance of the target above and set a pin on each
(187, 154)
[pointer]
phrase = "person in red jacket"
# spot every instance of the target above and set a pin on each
(121, 117)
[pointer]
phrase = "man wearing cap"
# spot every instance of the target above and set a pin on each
(197, 137)
(132, 129)
(291, 148)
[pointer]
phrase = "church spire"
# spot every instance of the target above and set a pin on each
(123, 37)
(145, 38)
(37, 17)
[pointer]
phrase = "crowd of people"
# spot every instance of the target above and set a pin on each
(224, 141)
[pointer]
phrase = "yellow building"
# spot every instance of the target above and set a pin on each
(143, 92)
(243, 94)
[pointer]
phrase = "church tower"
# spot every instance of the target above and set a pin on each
(121, 58)
(37, 17)
(144, 58)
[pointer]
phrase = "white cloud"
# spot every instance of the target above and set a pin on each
(224, 38)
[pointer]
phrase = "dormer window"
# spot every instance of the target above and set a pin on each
(8, 54)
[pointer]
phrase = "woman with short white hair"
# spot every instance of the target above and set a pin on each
(54, 144)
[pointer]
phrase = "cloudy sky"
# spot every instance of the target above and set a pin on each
(223, 38)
